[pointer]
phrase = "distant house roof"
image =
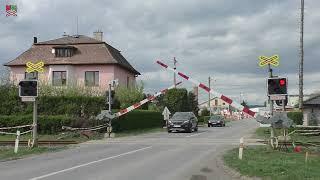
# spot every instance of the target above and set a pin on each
(312, 101)
(87, 51)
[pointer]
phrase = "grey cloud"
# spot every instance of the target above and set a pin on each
(208, 37)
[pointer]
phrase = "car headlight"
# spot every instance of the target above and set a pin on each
(169, 122)
(184, 122)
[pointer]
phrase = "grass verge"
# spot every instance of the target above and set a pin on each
(6, 153)
(261, 161)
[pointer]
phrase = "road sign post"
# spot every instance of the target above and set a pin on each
(16, 144)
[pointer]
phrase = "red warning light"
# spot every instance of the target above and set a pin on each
(282, 82)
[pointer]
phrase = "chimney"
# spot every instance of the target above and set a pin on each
(98, 35)
(35, 40)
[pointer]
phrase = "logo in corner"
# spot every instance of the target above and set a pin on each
(11, 10)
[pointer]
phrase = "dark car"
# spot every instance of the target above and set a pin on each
(216, 121)
(183, 121)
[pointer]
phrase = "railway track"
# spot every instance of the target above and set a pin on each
(43, 143)
(297, 143)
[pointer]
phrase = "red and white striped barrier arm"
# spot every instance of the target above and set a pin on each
(215, 93)
(138, 104)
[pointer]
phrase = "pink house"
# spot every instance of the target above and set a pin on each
(75, 60)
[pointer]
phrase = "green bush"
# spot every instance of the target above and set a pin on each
(205, 112)
(46, 124)
(138, 119)
(10, 102)
(203, 119)
(296, 116)
(72, 105)
(176, 100)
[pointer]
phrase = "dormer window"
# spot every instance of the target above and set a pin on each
(64, 51)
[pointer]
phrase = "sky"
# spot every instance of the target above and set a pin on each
(218, 38)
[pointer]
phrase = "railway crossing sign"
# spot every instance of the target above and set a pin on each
(273, 60)
(33, 67)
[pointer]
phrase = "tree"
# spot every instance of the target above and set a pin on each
(193, 103)
(205, 112)
(176, 100)
(128, 96)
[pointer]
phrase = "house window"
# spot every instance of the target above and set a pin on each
(92, 78)
(223, 103)
(63, 52)
(30, 76)
(216, 102)
(59, 78)
(128, 81)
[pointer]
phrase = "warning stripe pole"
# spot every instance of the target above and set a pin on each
(150, 98)
(215, 93)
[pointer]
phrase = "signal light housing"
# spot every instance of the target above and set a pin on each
(28, 88)
(277, 86)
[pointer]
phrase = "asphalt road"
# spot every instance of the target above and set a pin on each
(155, 156)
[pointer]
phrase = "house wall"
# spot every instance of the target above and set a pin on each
(76, 74)
(123, 75)
(220, 103)
(307, 114)
(106, 74)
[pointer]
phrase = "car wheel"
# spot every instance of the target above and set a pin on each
(189, 130)
(224, 125)
(169, 131)
(196, 129)
(208, 125)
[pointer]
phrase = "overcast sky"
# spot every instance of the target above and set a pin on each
(217, 38)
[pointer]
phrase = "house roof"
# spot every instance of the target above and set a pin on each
(312, 101)
(87, 51)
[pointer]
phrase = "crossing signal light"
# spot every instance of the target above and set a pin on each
(28, 88)
(277, 86)
(282, 82)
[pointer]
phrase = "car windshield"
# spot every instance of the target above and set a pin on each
(182, 115)
(215, 118)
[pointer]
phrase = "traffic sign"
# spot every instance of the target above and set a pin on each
(28, 99)
(273, 60)
(35, 67)
(277, 97)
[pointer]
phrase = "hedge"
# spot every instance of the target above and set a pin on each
(46, 124)
(296, 116)
(71, 105)
(53, 105)
(138, 119)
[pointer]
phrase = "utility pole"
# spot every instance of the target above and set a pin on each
(109, 128)
(271, 104)
(109, 98)
(209, 100)
(270, 101)
(301, 58)
(35, 124)
(174, 74)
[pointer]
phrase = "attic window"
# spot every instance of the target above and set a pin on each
(64, 51)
